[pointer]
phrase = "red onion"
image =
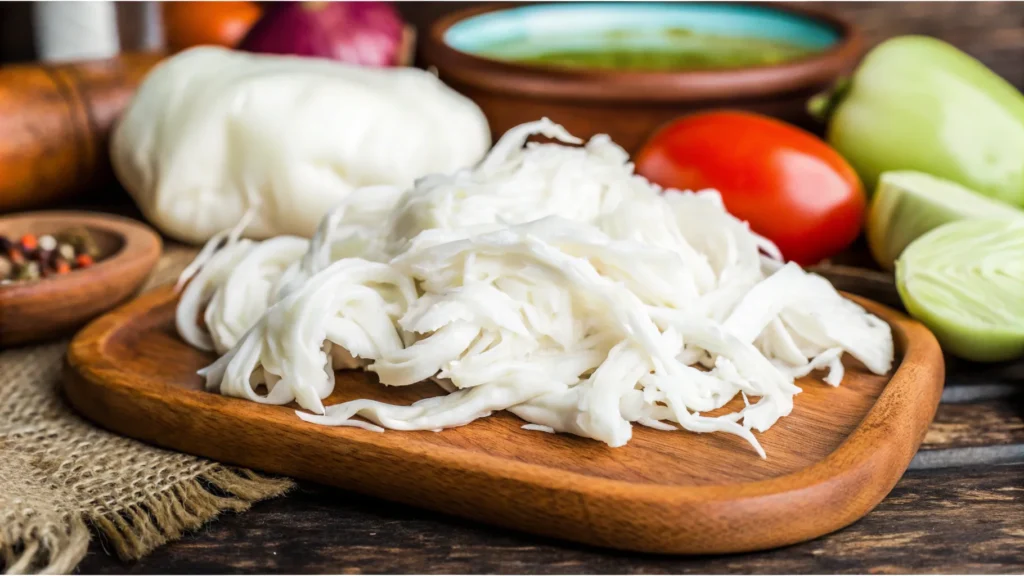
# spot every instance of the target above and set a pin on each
(365, 33)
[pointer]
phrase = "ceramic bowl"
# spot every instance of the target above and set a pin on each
(630, 105)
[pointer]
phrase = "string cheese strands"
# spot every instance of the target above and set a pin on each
(549, 281)
(221, 239)
(202, 288)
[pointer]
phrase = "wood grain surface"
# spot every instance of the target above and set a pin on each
(831, 461)
(52, 307)
(995, 422)
(960, 521)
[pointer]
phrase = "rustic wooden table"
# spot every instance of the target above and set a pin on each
(959, 520)
(959, 509)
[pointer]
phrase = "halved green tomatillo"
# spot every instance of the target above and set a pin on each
(965, 281)
(907, 204)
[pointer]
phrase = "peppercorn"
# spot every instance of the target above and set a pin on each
(29, 242)
(82, 241)
(47, 242)
(30, 271)
(83, 261)
(66, 251)
(33, 257)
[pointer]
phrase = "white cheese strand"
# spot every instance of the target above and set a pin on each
(203, 287)
(248, 289)
(551, 282)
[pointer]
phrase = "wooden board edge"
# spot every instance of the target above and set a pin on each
(822, 498)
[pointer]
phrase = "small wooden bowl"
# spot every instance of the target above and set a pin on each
(55, 306)
(630, 105)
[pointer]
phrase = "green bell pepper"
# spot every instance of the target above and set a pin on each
(918, 103)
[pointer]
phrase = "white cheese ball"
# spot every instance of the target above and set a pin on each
(212, 132)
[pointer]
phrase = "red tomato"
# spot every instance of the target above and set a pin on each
(789, 185)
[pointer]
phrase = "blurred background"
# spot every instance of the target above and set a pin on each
(69, 70)
(993, 32)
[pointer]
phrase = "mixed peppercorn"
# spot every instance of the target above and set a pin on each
(32, 257)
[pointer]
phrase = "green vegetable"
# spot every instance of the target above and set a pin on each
(917, 103)
(907, 204)
(672, 49)
(965, 281)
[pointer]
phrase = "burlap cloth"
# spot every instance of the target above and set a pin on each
(61, 476)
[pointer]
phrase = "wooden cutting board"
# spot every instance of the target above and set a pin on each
(830, 462)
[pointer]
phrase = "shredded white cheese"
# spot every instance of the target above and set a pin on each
(549, 281)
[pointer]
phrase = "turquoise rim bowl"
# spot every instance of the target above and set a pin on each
(458, 44)
(539, 23)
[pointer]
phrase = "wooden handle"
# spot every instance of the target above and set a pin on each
(54, 125)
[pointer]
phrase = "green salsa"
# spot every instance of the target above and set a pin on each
(673, 49)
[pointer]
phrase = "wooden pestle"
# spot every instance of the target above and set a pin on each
(55, 121)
